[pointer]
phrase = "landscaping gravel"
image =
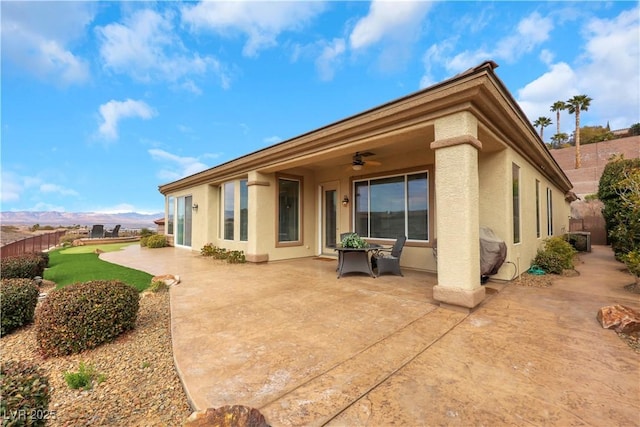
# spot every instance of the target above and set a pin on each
(141, 387)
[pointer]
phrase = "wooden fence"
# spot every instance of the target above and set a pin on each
(38, 243)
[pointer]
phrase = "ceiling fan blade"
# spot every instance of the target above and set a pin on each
(372, 163)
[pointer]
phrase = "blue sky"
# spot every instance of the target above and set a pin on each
(104, 101)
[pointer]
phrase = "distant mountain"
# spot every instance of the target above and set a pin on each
(127, 220)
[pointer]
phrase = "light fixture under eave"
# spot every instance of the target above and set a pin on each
(345, 200)
(195, 207)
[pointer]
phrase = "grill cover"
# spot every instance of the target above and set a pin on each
(493, 252)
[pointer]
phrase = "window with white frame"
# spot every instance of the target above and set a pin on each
(244, 211)
(289, 210)
(170, 214)
(228, 192)
(515, 184)
(392, 206)
(549, 212)
(538, 208)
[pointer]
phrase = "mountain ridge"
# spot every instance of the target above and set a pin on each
(56, 218)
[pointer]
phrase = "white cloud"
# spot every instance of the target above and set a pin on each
(611, 68)
(272, 139)
(388, 19)
(15, 187)
(330, 58)
(261, 22)
(176, 166)
(11, 187)
(57, 189)
(146, 47)
(113, 111)
(557, 84)
(395, 27)
(530, 32)
(607, 71)
(36, 37)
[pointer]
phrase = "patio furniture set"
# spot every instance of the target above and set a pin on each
(369, 258)
(98, 232)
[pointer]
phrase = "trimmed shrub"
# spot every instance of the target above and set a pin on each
(19, 298)
(232, 257)
(158, 285)
(556, 256)
(156, 241)
(619, 191)
(632, 261)
(82, 316)
(27, 265)
(25, 394)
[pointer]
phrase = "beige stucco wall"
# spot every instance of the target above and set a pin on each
(496, 208)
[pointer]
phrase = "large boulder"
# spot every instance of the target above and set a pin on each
(619, 318)
(227, 416)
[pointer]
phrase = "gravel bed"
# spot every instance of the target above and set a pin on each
(141, 388)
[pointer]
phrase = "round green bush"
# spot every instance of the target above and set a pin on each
(557, 256)
(156, 241)
(25, 392)
(27, 265)
(82, 316)
(19, 298)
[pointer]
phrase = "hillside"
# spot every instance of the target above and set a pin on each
(126, 220)
(594, 158)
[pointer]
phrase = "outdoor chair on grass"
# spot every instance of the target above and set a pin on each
(387, 260)
(113, 233)
(97, 232)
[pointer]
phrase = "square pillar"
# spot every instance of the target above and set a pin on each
(261, 216)
(458, 214)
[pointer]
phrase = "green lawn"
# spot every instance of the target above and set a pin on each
(81, 264)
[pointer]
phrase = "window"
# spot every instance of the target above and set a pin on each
(392, 206)
(184, 218)
(244, 211)
(537, 208)
(549, 212)
(228, 196)
(170, 214)
(515, 181)
(289, 209)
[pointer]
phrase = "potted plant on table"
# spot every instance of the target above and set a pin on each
(354, 241)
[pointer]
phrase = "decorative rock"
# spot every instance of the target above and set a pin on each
(77, 242)
(620, 318)
(168, 279)
(227, 416)
(98, 251)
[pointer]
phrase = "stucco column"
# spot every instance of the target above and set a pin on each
(260, 215)
(457, 221)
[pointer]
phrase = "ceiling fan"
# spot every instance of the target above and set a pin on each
(358, 163)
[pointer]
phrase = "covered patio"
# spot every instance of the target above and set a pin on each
(306, 348)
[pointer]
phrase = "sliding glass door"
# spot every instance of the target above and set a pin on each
(184, 220)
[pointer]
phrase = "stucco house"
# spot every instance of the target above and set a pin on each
(436, 164)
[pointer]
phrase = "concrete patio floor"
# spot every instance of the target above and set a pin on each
(306, 348)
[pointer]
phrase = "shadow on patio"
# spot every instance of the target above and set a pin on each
(306, 348)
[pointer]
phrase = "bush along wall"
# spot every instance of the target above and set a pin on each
(27, 265)
(82, 316)
(19, 298)
(556, 256)
(619, 191)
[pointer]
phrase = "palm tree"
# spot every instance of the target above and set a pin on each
(557, 107)
(574, 106)
(543, 122)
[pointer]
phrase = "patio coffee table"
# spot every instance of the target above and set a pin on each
(355, 260)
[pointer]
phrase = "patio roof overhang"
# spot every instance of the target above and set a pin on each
(411, 118)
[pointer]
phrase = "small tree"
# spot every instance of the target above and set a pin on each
(619, 190)
(575, 105)
(559, 139)
(542, 122)
(634, 129)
